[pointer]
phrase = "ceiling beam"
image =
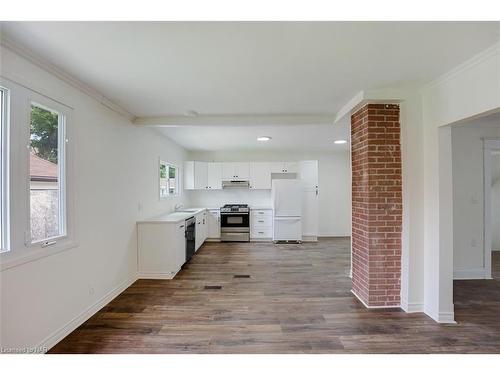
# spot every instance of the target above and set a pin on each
(234, 120)
(383, 96)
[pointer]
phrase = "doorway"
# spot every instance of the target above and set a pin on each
(492, 208)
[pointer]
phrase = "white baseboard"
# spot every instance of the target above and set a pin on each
(309, 238)
(443, 317)
(328, 235)
(447, 318)
(156, 275)
(74, 323)
(373, 307)
(469, 274)
(212, 240)
(412, 307)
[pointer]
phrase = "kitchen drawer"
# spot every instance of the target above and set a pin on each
(261, 221)
(261, 213)
(261, 233)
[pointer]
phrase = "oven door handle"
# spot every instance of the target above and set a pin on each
(234, 213)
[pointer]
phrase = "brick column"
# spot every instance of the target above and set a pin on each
(376, 204)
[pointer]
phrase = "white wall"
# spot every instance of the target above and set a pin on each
(334, 186)
(469, 90)
(468, 196)
(495, 197)
(116, 165)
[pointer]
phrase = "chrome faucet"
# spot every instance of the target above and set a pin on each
(177, 207)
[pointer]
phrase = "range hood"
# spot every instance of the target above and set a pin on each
(236, 184)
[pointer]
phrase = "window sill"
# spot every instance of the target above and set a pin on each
(15, 258)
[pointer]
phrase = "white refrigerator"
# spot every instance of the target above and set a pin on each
(286, 198)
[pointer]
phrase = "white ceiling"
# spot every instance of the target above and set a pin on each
(160, 68)
(250, 68)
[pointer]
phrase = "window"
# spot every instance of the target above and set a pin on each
(47, 174)
(169, 180)
(4, 164)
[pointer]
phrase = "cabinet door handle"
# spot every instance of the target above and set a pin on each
(261, 232)
(181, 226)
(261, 221)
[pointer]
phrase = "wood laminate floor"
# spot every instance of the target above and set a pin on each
(265, 298)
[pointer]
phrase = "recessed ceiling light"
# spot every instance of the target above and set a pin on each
(340, 141)
(264, 139)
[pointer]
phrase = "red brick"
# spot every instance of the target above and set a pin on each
(376, 204)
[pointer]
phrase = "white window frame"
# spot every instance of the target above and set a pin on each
(21, 249)
(177, 179)
(61, 178)
(5, 171)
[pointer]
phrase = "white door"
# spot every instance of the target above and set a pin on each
(242, 171)
(228, 171)
(260, 175)
(287, 197)
(200, 175)
(287, 229)
(214, 179)
(213, 218)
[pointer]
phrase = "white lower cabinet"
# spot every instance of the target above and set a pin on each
(213, 219)
(261, 225)
(161, 249)
(201, 230)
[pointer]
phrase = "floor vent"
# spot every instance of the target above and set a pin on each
(241, 276)
(213, 287)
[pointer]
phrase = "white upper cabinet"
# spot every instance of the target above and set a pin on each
(260, 175)
(200, 175)
(235, 171)
(284, 167)
(214, 179)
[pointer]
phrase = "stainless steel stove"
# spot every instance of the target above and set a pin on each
(235, 223)
(235, 208)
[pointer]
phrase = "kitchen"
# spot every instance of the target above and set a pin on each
(167, 242)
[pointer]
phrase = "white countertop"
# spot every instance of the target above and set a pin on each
(179, 216)
(173, 217)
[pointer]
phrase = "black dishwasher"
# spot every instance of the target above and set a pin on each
(190, 235)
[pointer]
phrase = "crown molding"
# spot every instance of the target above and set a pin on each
(235, 120)
(466, 65)
(39, 61)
